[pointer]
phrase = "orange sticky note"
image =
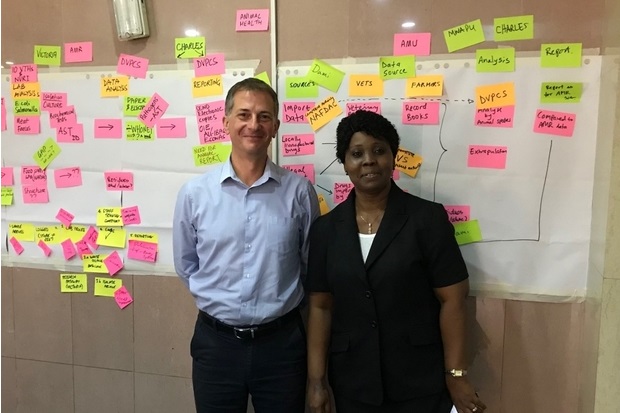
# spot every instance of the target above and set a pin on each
(365, 85)
(491, 96)
(321, 114)
(426, 85)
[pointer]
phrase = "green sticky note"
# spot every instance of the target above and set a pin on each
(560, 92)
(46, 153)
(513, 28)
(301, 87)
(325, 75)
(138, 131)
(133, 105)
(189, 47)
(264, 77)
(467, 232)
(463, 36)
(396, 67)
(560, 55)
(105, 287)
(495, 60)
(27, 107)
(73, 283)
(211, 154)
(47, 55)
(7, 195)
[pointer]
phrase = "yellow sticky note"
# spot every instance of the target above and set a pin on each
(105, 287)
(207, 86)
(495, 60)
(326, 75)
(47, 55)
(321, 114)
(21, 231)
(463, 36)
(138, 131)
(133, 105)
(26, 90)
(323, 207)
(109, 217)
(365, 85)
(467, 232)
(189, 47)
(492, 96)
(560, 55)
(426, 85)
(94, 263)
(513, 28)
(7, 195)
(301, 87)
(73, 283)
(144, 236)
(46, 153)
(112, 237)
(211, 154)
(396, 67)
(264, 77)
(50, 234)
(114, 86)
(408, 162)
(75, 232)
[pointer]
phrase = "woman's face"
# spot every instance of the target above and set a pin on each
(369, 163)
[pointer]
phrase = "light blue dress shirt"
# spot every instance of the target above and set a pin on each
(242, 251)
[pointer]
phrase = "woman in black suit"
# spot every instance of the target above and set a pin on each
(388, 287)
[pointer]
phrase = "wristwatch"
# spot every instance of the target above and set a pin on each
(457, 372)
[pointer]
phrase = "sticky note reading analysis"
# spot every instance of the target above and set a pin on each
(482, 156)
(554, 123)
(467, 232)
(495, 60)
(560, 92)
(408, 162)
(189, 47)
(207, 86)
(326, 75)
(109, 217)
(211, 154)
(46, 153)
(501, 94)
(321, 114)
(427, 85)
(365, 85)
(463, 36)
(513, 28)
(560, 55)
(301, 87)
(73, 283)
(396, 67)
(105, 287)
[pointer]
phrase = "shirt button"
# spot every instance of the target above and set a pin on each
(249, 218)
(247, 276)
(243, 305)
(368, 294)
(373, 324)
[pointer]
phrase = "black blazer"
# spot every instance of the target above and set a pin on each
(385, 338)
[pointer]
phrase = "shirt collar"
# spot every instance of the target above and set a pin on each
(271, 172)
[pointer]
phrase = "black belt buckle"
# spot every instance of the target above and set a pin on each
(240, 332)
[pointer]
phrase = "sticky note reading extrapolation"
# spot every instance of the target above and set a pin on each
(325, 75)
(463, 36)
(73, 283)
(485, 156)
(513, 28)
(560, 55)
(321, 114)
(408, 162)
(467, 232)
(105, 287)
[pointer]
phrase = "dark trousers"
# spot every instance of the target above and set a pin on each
(271, 368)
(439, 403)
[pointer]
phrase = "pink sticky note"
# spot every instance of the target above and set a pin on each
(68, 249)
(457, 213)
(113, 263)
(63, 116)
(211, 64)
(369, 106)
(108, 128)
(33, 175)
(142, 251)
(341, 191)
(209, 118)
(82, 248)
(306, 170)
(3, 115)
(34, 194)
(7, 176)
(118, 181)
(53, 100)
(91, 237)
(295, 112)
(132, 66)
(499, 117)
(171, 128)
(24, 73)
(302, 144)
(130, 215)
(46, 250)
(70, 133)
(65, 217)
(67, 177)
(122, 297)
(418, 44)
(153, 110)
(78, 52)
(17, 247)
(27, 125)
(255, 20)
(395, 174)
(420, 113)
(554, 123)
(482, 156)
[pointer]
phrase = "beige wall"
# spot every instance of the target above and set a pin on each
(80, 353)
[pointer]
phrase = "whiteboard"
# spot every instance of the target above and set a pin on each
(534, 215)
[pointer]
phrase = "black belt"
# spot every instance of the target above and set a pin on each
(253, 331)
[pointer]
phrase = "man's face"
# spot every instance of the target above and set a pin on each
(251, 123)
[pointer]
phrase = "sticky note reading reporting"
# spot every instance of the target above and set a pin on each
(114, 86)
(426, 85)
(500, 117)
(457, 213)
(301, 87)
(306, 170)
(495, 60)
(94, 263)
(420, 113)
(132, 66)
(321, 114)
(513, 28)
(46, 153)
(295, 112)
(467, 232)
(353, 107)
(109, 217)
(189, 47)
(211, 64)
(396, 67)
(554, 123)
(365, 85)
(137, 131)
(207, 86)
(560, 55)
(483, 156)
(408, 162)
(501, 94)
(122, 297)
(68, 177)
(326, 75)
(105, 287)
(211, 154)
(252, 20)
(298, 144)
(560, 92)
(341, 191)
(153, 110)
(73, 283)
(47, 55)
(78, 52)
(463, 36)
(416, 44)
(24, 73)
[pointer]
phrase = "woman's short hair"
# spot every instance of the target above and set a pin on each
(371, 124)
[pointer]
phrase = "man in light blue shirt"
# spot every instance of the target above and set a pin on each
(240, 246)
